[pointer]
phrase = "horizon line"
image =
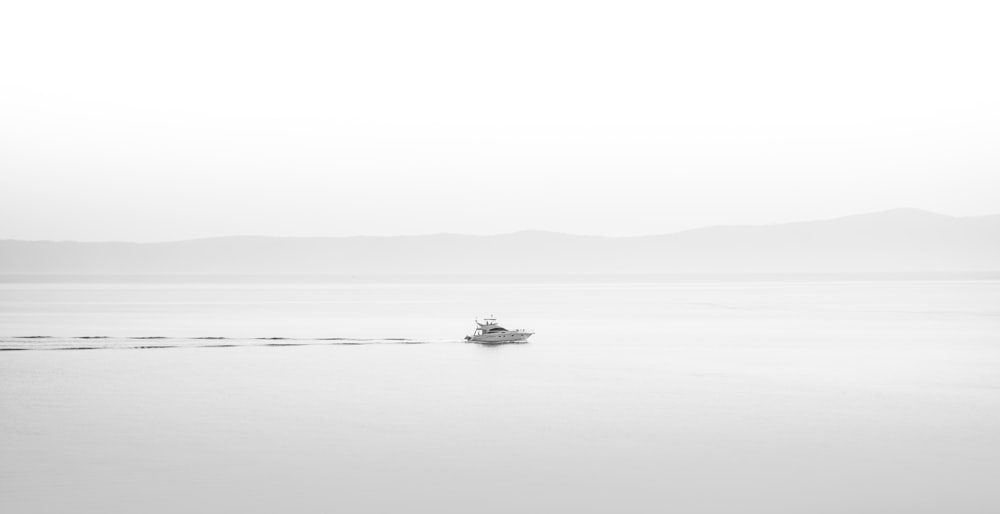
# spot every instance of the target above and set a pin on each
(914, 210)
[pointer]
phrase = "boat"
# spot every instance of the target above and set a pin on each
(490, 332)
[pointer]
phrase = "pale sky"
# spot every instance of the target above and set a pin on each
(153, 121)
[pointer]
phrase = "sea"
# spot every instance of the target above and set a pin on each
(865, 393)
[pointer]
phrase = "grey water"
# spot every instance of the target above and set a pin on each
(637, 394)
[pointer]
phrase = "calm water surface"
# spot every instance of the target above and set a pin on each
(860, 396)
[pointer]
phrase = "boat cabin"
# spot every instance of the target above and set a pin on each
(490, 327)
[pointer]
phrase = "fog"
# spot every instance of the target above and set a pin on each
(142, 122)
(756, 243)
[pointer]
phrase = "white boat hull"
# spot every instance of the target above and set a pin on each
(501, 337)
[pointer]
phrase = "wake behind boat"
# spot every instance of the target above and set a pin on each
(490, 332)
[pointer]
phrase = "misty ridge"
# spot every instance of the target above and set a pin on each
(899, 240)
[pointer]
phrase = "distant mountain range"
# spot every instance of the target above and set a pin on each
(909, 240)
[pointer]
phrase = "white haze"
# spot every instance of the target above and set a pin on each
(151, 122)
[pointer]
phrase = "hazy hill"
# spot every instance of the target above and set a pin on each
(896, 240)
